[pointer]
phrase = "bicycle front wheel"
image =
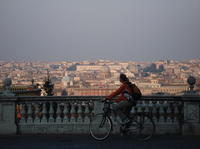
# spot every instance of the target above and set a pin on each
(100, 127)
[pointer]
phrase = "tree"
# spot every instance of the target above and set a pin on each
(150, 68)
(48, 86)
(161, 68)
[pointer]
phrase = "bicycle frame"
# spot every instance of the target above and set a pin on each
(139, 125)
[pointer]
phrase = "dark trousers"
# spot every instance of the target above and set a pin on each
(122, 109)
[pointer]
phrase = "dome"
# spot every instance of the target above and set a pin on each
(105, 69)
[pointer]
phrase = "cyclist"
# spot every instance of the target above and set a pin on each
(129, 93)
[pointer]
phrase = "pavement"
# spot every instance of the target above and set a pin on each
(86, 142)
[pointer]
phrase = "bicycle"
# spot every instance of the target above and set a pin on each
(140, 126)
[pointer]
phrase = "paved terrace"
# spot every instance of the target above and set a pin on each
(86, 142)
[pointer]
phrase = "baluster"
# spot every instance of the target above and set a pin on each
(136, 109)
(76, 108)
(55, 108)
(51, 113)
(150, 109)
(73, 113)
(79, 112)
(69, 111)
(33, 112)
(65, 112)
(144, 107)
(158, 111)
(29, 114)
(180, 116)
(47, 107)
(165, 109)
(18, 113)
(91, 107)
(154, 111)
(180, 112)
(87, 113)
(62, 106)
(40, 107)
(58, 113)
(161, 105)
(44, 113)
(168, 112)
(146, 104)
(37, 113)
(172, 112)
(176, 111)
(23, 114)
(26, 112)
(133, 110)
(139, 107)
(83, 108)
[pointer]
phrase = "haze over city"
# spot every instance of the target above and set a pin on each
(128, 30)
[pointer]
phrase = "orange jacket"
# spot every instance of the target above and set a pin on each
(124, 87)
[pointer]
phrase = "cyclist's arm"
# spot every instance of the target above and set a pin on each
(117, 92)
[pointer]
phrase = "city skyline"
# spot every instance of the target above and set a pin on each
(44, 30)
(98, 77)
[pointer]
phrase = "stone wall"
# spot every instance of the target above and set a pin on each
(71, 114)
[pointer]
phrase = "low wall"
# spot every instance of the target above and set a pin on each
(71, 114)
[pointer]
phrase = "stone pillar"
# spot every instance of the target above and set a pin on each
(191, 100)
(7, 116)
(191, 116)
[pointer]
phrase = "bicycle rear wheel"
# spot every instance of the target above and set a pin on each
(100, 127)
(146, 127)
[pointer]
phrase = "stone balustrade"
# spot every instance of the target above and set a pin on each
(71, 114)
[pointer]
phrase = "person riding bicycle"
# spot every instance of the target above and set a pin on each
(129, 94)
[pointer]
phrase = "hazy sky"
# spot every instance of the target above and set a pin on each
(137, 30)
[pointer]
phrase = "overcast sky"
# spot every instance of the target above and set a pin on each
(136, 30)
